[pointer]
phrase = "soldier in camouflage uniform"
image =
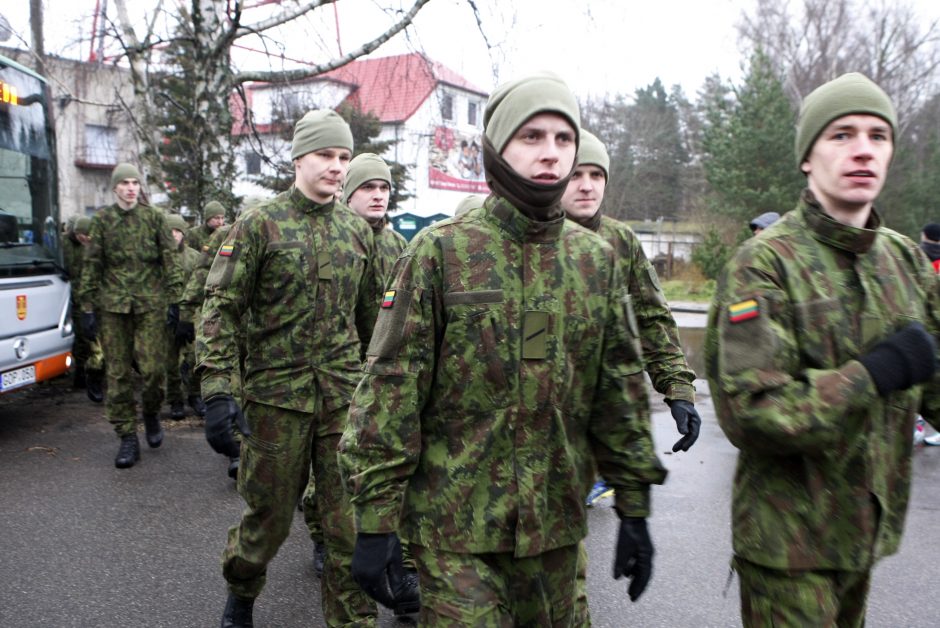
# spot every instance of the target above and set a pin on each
(296, 273)
(820, 351)
(89, 364)
(213, 217)
(504, 371)
(179, 352)
(659, 336)
(367, 191)
(130, 270)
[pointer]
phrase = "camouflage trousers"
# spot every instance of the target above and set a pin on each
(801, 599)
(126, 338)
(497, 590)
(581, 612)
(180, 382)
(85, 352)
(274, 468)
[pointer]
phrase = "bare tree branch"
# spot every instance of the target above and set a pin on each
(278, 20)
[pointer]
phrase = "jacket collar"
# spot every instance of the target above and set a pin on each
(519, 226)
(836, 234)
(307, 205)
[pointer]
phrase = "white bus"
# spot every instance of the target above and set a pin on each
(35, 320)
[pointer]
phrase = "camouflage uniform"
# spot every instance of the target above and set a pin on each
(176, 355)
(505, 370)
(130, 268)
(823, 475)
(298, 277)
(388, 246)
(198, 237)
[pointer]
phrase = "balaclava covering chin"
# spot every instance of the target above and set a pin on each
(509, 107)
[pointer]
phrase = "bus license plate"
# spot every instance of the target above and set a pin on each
(19, 377)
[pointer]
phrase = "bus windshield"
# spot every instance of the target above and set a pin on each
(29, 235)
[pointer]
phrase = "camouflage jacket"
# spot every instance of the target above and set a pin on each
(73, 253)
(188, 260)
(388, 246)
(198, 237)
(130, 265)
(659, 337)
(195, 291)
(823, 474)
(298, 277)
(503, 373)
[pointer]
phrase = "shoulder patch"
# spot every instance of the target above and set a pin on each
(743, 311)
(389, 299)
(226, 250)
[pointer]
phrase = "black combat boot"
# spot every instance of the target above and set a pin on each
(93, 385)
(319, 557)
(129, 453)
(198, 405)
(154, 430)
(177, 411)
(78, 378)
(237, 613)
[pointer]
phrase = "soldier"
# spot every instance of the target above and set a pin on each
(659, 336)
(366, 191)
(296, 272)
(213, 216)
(89, 367)
(501, 374)
(819, 339)
(763, 221)
(129, 270)
(178, 351)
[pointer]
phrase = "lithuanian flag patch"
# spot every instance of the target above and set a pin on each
(389, 299)
(743, 311)
(226, 250)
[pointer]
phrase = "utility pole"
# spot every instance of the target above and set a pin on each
(35, 27)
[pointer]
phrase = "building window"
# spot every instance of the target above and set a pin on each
(100, 145)
(447, 107)
(252, 163)
(472, 113)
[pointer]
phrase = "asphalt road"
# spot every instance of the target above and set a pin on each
(85, 544)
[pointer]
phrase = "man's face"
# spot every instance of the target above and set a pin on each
(178, 236)
(127, 192)
(848, 163)
(543, 149)
(320, 174)
(215, 222)
(585, 192)
(83, 238)
(370, 200)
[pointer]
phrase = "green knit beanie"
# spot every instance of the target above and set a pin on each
(213, 209)
(515, 102)
(175, 221)
(469, 202)
(320, 128)
(82, 225)
(362, 169)
(593, 152)
(124, 171)
(848, 94)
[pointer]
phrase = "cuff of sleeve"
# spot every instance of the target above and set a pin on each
(681, 392)
(216, 385)
(857, 388)
(632, 502)
(377, 518)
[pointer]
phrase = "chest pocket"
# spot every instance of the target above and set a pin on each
(820, 325)
(284, 279)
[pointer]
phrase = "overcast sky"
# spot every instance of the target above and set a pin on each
(600, 47)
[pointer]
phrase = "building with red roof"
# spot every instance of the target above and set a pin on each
(434, 116)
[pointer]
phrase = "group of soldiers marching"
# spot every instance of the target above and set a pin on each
(441, 409)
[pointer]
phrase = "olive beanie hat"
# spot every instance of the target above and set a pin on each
(175, 221)
(124, 171)
(213, 209)
(593, 152)
(515, 102)
(362, 169)
(848, 94)
(320, 128)
(82, 225)
(471, 201)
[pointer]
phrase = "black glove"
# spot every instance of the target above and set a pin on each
(90, 326)
(185, 332)
(688, 422)
(172, 315)
(901, 360)
(634, 557)
(221, 412)
(377, 568)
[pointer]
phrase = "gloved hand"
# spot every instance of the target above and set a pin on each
(901, 360)
(90, 326)
(634, 557)
(172, 315)
(688, 422)
(221, 412)
(377, 568)
(185, 332)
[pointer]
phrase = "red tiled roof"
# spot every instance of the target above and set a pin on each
(393, 88)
